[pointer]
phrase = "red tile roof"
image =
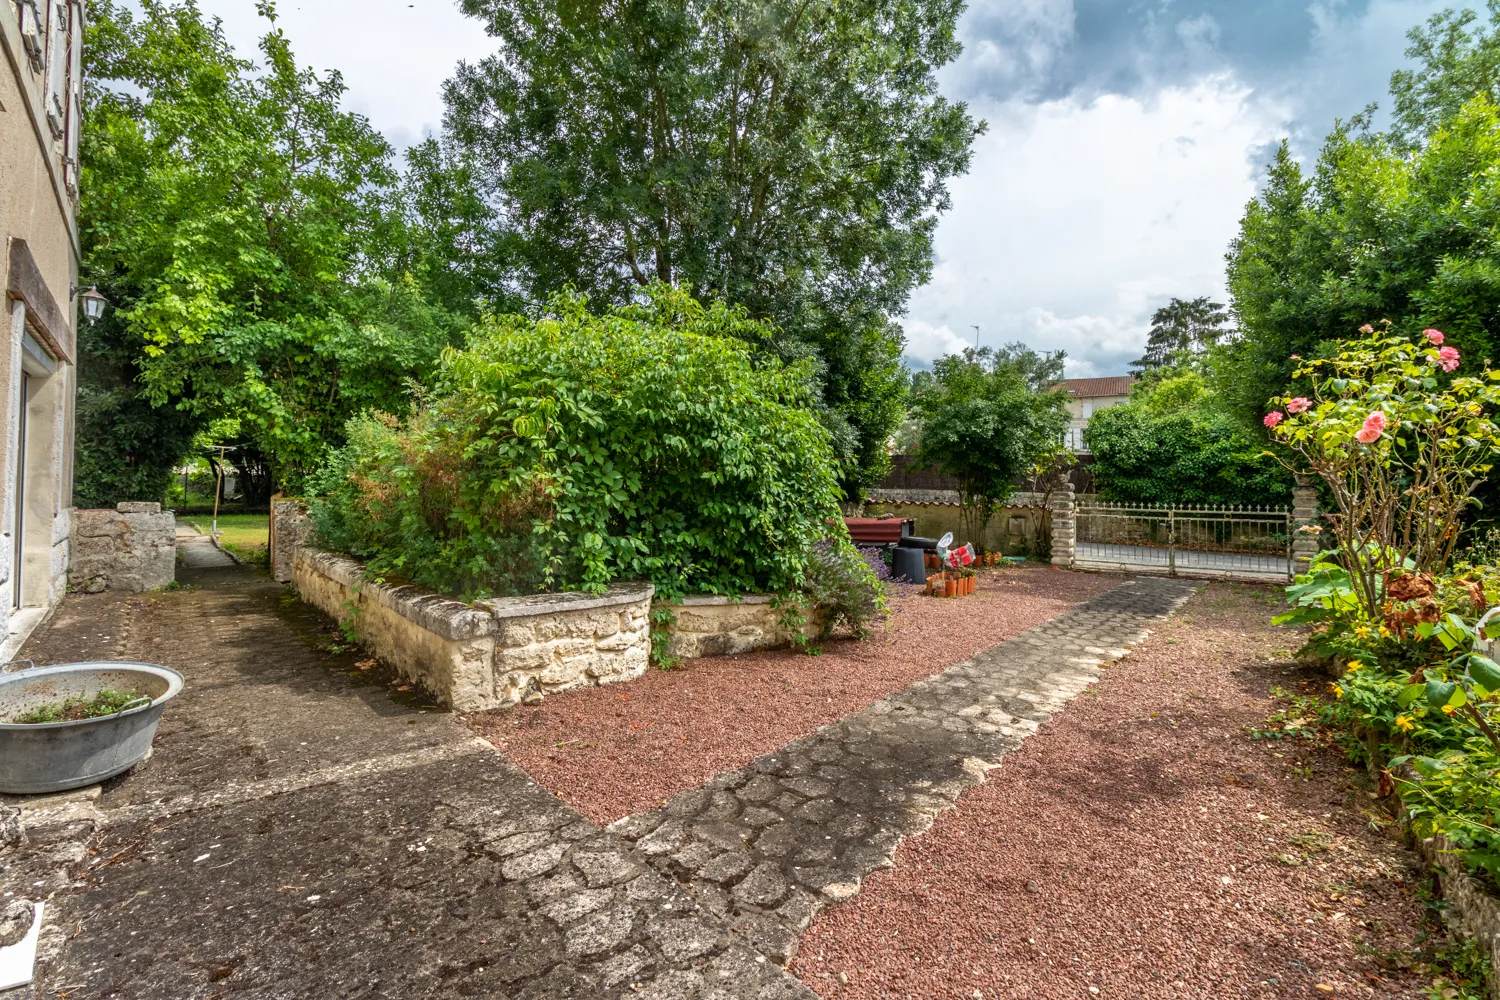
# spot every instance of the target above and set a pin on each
(1112, 385)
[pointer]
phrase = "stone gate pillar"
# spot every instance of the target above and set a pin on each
(1305, 540)
(1064, 526)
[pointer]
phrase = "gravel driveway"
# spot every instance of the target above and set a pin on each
(623, 748)
(1143, 845)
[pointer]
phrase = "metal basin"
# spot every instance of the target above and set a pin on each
(53, 756)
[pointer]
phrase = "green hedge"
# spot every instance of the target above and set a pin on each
(1174, 442)
(651, 442)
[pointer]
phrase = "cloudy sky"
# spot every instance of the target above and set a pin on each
(1125, 137)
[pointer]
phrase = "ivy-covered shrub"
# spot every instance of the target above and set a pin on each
(1174, 442)
(652, 442)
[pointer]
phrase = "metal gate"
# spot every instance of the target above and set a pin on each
(1228, 541)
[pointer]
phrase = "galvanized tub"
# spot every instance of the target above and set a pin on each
(53, 756)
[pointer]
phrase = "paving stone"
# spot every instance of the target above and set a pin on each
(604, 932)
(605, 867)
(764, 886)
(568, 908)
(683, 938)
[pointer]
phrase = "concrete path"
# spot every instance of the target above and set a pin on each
(301, 832)
(198, 551)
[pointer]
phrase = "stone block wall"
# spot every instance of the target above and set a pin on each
(133, 547)
(719, 626)
(490, 654)
(289, 530)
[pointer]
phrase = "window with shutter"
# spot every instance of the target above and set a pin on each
(33, 32)
(57, 70)
(75, 91)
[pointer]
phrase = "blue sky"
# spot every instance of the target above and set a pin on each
(1125, 138)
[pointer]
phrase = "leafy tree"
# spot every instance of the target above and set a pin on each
(1456, 61)
(789, 158)
(1374, 232)
(989, 418)
(1181, 330)
(255, 242)
(1173, 442)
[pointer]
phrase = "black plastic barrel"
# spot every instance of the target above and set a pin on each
(906, 564)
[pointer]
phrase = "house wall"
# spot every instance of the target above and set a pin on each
(1080, 409)
(39, 121)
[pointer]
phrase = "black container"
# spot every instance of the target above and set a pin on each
(907, 564)
(918, 542)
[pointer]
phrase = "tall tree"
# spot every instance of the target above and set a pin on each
(1375, 233)
(1456, 59)
(255, 241)
(1182, 330)
(791, 158)
(988, 418)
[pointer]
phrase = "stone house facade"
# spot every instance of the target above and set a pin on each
(1086, 396)
(39, 130)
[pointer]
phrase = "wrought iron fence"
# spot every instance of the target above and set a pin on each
(1234, 541)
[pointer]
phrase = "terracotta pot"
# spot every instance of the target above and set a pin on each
(950, 588)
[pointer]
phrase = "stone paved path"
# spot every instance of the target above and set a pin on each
(301, 833)
(196, 550)
(765, 848)
(298, 833)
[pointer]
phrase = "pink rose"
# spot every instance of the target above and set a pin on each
(1299, 405)
(1373, 428)
(1367, 328)
(1448, 358)
(1273, 418)
(1436, 336)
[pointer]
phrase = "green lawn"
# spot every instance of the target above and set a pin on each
(245, 536)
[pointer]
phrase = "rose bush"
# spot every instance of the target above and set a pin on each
(1402, 443)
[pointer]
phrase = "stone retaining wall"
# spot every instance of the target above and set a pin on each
(133, 547)
(720, 626)
(289, 531)
(490, 654)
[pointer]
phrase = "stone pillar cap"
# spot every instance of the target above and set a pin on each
(137, 507)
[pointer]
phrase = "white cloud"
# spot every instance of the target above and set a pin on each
(1079, 219)
(394, 54)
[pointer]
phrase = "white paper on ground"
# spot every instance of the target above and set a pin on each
(17, 960)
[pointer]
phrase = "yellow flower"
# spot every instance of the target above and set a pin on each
(1356, 665)
(1449, 709)
(1362, 631)
(1385, 633)
(1337, 689)
(1404, 724)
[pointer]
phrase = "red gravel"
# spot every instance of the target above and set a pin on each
(1142, 845)
(619, 749)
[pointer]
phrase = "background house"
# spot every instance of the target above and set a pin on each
(39, 124)
(1088, 395)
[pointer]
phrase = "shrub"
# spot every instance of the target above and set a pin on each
(1174, 443)
(842, 582)
(567, 451)
(1401, 445)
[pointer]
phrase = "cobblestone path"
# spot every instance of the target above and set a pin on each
(300, 833)
(765, 848)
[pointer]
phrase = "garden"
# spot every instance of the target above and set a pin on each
(1400, 431)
